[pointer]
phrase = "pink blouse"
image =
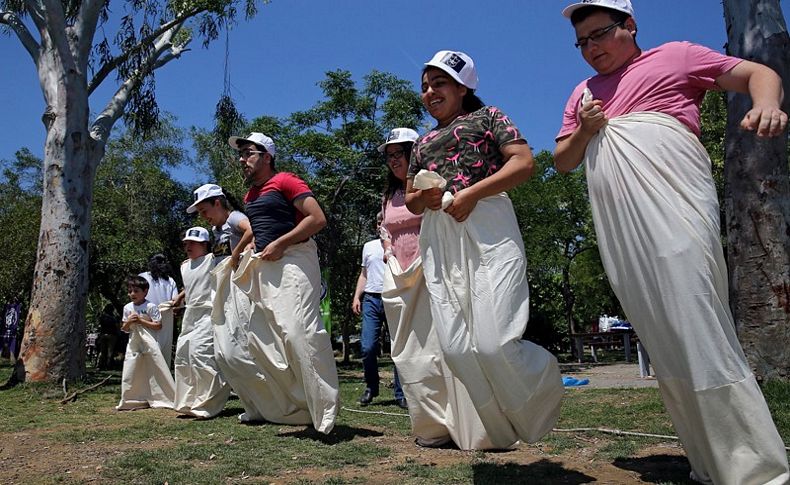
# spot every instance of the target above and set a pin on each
(404, 229)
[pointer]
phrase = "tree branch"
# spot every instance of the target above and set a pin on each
(163, 53)
(87, 19)
(25, 37)
(111, 65)
(55, 25)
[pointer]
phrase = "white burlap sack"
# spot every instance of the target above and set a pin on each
(657, 220)
(476, 276)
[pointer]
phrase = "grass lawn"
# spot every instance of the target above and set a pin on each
(86, 441)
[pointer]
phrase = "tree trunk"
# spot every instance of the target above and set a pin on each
(54, 339)
(757, 198)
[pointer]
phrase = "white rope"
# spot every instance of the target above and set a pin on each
(374, 412)
(616, 432)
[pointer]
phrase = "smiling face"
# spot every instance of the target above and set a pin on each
(442, 96)
(612, 49)
(397, 159)
(213, 212)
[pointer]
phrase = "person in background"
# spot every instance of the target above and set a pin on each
(635, 125)
(162, 290)
(367, 302)
(439, 405)
(108, 337)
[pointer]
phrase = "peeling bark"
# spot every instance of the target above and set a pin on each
(757, 198)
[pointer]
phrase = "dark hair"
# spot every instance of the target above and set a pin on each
(159, 267)
(471, 101)
(581, 14)
(228, 201)
(394, 183)
(135, 281)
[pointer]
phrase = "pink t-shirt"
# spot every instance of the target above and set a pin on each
(670, 79)
(404, 229)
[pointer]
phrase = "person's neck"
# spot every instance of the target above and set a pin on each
(443, 124)
(263, 178)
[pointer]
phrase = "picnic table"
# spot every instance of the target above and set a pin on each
(600, 339)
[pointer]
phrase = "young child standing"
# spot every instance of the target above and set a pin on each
(146, 380)
(201, 390)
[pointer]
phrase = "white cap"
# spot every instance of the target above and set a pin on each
(204, 192)
(619, 5)
(254, 137)
(399, 135)
(197, 233)
(458, 65)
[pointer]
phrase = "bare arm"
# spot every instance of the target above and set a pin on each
(314, 220)
(419, 200)
(356, 304)
(569, 152)
(245, 240)
(765, 88)
(517, 168)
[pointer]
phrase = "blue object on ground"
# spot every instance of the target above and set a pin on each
(568, 381)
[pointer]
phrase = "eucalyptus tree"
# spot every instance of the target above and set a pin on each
(757, 197)
(78, 46)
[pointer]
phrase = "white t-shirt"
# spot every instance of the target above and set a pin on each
(146, 308)
(373, 262)
(161, 290)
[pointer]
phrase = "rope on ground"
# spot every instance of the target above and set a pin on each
(373, 412)
(73, 396)
(615, 432)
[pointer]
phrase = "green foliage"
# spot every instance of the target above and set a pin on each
(20, 216)
(333, 145)
(568, 286)
(138, 210)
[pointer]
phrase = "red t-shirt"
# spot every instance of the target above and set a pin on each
(270, 207)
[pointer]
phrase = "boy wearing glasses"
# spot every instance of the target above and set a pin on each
(635, 125)
(286, 335)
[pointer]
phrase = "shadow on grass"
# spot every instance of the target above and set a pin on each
(341, 433)
(543, 471)
(658, 468)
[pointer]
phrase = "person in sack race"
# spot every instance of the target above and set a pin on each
(635, 125)
(161, 290)
(231, 228)
(230, 314)
(473, 254)
(201, 389)
(145, 379)
(367, 302)
(287, 338)
(439, 405)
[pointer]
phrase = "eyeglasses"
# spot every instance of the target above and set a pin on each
(245, 154)
(595, 36)
(394, 155)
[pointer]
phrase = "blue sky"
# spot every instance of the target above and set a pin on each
(523, 50)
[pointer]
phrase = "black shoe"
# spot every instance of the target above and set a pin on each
(367, 397)
(402, 403)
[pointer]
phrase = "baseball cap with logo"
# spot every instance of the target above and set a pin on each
(204, 192)
(619, 5)
(197, 233)
(399, 135)
(458, 65)
(255, 137)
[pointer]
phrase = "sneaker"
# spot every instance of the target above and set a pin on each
(432, 442)
(401, 403)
